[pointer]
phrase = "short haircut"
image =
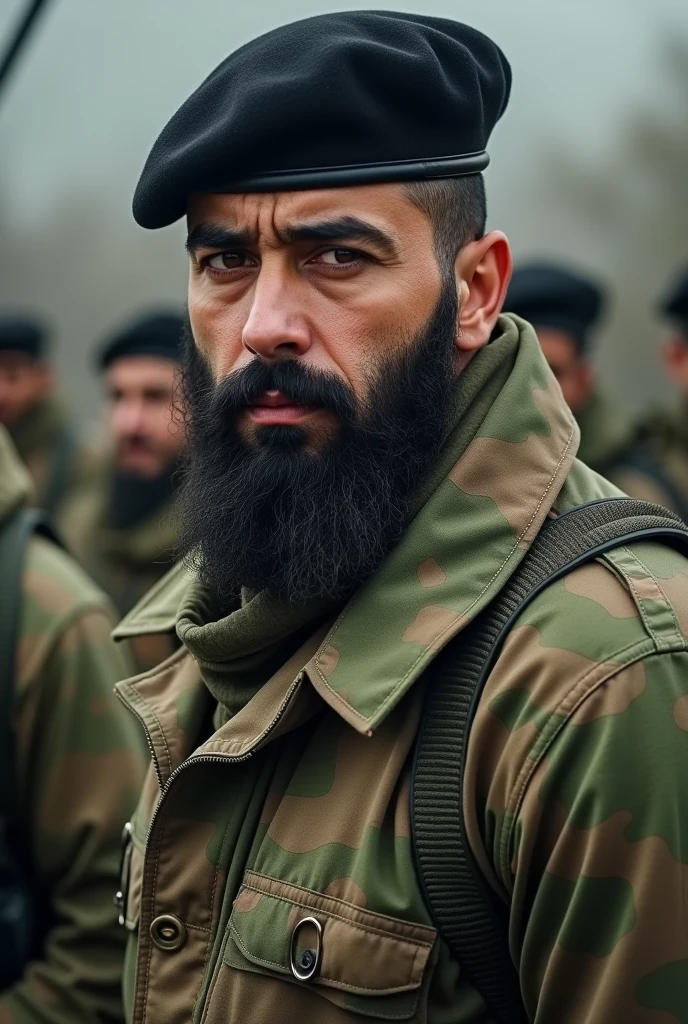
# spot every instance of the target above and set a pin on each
(457, 210)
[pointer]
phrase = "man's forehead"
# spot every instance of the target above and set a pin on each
(141, 370)
(386, 204)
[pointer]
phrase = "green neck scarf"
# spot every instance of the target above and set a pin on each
(238, 652)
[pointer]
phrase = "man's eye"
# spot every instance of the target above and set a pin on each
(334, 257)
(228, 261)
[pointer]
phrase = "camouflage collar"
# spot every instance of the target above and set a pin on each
(455, 556)
(459, 550)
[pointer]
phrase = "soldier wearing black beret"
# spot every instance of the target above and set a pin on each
(123, 526)
(373, 448)
(564, 306)
(660, 469)
(38, 422)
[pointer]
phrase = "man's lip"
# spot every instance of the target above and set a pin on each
(274, 399)
(274, 407)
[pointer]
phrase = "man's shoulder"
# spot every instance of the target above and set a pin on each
(54, 587)
(585, 629)
(157, 610)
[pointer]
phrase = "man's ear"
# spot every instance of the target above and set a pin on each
(483, 271)
(675, 359)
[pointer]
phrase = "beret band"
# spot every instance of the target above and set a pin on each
(361, 174)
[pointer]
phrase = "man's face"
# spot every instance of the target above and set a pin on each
(333, 279)
(572, 370)
(675, 359)
(323, 349)
(147, 436)
(24, 383)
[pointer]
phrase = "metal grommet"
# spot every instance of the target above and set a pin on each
(168, 932)
(309, 960)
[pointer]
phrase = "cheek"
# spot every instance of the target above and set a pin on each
(217, 329)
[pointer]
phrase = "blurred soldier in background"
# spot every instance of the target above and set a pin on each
(71, 761)
(122, 527)
(564, 307)
(39, 426)
(659, 468)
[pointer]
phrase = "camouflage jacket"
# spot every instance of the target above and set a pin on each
(58, 462)
(79, 766)
(297, 807)
(126, 563)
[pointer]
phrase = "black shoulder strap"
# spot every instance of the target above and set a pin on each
(463, 907)
(14, 536)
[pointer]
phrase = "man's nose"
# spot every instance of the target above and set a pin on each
(276, 327)
(126, 418)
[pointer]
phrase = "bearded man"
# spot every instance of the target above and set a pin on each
(122, 527)
(374, 449)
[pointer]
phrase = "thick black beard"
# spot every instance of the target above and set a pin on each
(276, 517)
(133, 498)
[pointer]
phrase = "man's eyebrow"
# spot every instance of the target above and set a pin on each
(215, 236)
(342, 229)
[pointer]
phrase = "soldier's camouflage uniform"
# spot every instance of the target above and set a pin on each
(80, 763)
(57, 460)
(125, 562)
(297, 805)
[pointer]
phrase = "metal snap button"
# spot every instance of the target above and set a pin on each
(168, 932)
(304, 966)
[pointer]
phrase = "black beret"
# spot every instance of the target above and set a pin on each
(339, 99)
(22, 334)
(674, 305)
(548, 295)
(155, 334)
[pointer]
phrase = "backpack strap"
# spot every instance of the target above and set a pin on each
(464, 909)
(14, 537)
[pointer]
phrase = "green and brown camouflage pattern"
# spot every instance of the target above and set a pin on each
(126, 563)
(80, 762)
(39, 438)
(298, 806)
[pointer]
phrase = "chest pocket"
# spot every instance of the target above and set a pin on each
(338, 960)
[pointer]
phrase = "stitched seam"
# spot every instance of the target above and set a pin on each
(152, 899)
(357, 988)
(432, 932)
(530, 765)
(390, 696)
(208, 949)
(339, 917)
(211, 991)
(140, 703)
(677, 632)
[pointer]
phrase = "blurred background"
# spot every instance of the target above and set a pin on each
(590, 163)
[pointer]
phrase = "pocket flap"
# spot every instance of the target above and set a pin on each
(361, 952)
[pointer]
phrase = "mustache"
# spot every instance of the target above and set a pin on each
(294, 380)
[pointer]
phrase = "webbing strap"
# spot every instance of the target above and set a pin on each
(463, 907)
